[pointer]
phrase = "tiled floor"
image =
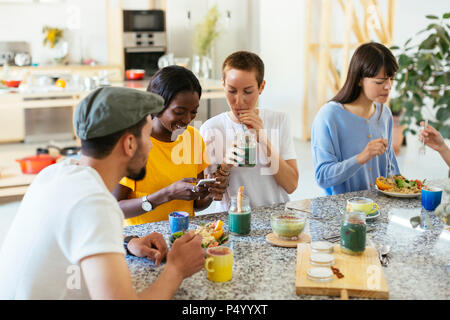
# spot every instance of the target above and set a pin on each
(429, 166)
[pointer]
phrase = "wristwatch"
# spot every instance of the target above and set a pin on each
(146, 205)
(126, 240)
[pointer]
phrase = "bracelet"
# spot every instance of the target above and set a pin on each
(222, 173)
(126, 240)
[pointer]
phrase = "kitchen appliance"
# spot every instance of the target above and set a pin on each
(363, 275)
(144, 39)
(15, 53)
(52, 123)
(143, 20)
(22, 59)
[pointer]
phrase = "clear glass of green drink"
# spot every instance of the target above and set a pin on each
(353, 232)
(239, 221)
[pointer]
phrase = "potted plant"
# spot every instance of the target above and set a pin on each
(422, 82)
(205, 35)
(59, 49)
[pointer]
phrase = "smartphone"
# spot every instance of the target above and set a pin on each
(205, 181)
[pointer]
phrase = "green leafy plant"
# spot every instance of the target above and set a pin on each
(206, 32)
(422, 80)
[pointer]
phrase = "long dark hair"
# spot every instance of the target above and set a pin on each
(169, 81)
(366, 62)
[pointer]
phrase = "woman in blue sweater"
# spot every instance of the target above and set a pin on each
(351, 136)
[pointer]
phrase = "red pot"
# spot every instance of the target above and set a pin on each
(34, 164)
(135, 74)
(12, 83)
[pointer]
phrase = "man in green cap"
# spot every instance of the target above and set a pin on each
(66, 241)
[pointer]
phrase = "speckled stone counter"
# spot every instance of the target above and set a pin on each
(417, 268)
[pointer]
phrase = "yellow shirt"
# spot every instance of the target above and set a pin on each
(167, 163)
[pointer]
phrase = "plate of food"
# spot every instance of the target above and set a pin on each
(212, 234)
(399, 187)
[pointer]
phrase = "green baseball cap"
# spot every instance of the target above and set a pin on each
(108, 110)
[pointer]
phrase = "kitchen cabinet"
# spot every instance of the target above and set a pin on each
(32, 116)
(12, 121)
(115, 73)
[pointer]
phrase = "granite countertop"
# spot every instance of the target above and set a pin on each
(417, 268)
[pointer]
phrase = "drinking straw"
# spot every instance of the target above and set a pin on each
(239, 198)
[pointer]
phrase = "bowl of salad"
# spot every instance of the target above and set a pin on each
(212, 234)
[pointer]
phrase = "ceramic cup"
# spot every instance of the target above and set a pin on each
(362, 204)
(178, 221)
(431, 198)
(219, 263)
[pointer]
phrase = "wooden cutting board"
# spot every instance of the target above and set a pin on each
(273, 239)
(363, 275)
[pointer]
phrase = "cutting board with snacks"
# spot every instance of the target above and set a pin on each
(348, 276)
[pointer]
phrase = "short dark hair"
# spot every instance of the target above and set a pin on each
(366, 62)
(247, 61)
(101, 147)
(169, 81)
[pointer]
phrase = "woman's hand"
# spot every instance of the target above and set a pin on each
(217, 189)
(432, 138)
(183, 190)
(152, 246)
(251, 119)
(233, 157)
(374, 148)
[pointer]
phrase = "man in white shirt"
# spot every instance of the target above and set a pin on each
(66, 241)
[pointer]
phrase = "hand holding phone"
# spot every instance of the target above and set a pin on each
(205, 181)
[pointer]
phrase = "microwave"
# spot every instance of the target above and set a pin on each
(143, 20)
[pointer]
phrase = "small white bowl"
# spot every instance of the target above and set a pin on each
(320, 274)
(322, 247)
(321, 259)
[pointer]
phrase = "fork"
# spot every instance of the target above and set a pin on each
(388, 161)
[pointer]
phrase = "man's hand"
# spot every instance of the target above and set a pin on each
(152, 246)
(186, 256)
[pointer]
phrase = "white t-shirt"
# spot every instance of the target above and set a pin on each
(259, 183)
(67, 214)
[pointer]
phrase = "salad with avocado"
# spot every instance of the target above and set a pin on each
(400, 184)
(212, 234)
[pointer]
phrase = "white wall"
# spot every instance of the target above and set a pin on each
(282, 39)
(24, 22)
(241, 33)
(410, 17)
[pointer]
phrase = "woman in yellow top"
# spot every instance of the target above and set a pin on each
(177, 159)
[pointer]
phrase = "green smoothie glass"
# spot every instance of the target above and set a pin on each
(239, 221)
(247, 142)
(353, 232)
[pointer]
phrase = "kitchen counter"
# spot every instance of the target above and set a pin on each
(417, 269)
(14, 103)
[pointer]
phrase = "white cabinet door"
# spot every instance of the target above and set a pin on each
(12, 120)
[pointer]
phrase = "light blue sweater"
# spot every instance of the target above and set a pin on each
(338, 136)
